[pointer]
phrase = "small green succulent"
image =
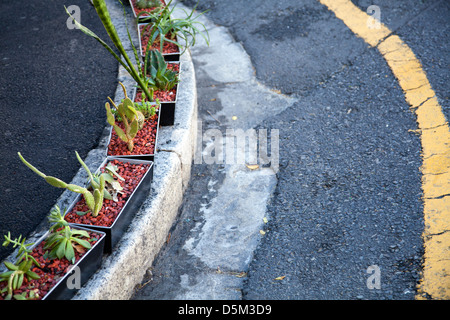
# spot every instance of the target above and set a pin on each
(146, 107)
(160, 77)
(164, 27)
(131, 119)
(19, 270)
(63, 239)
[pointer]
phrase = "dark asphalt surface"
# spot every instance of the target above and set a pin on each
(53, 86)
(349, 187)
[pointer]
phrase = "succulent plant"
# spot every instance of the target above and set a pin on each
(112, 186)
(56, 219)
(19, 270)
(132, 119)
(159, 76)
(123, 58)
(63, 240)
(94, 199)
(146, 107)
(163, 26)
(31, 295)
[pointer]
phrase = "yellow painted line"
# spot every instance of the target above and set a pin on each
(435, 140)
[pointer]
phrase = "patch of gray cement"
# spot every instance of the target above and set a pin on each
(224, 209)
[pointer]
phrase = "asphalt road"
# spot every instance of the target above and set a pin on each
(53, 86)
(348, 194)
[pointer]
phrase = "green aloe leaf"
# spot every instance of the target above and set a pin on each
(69, 252)
(103, 43)
(11, 266)
(61, 248)
(98, 202)
(102, 12)
(20, 296)
(32, 275)
(83, 233)
(82, 242)
(5, 275)
(20, 280)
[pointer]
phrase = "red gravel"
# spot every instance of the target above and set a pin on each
(146, 9)
(144, 142)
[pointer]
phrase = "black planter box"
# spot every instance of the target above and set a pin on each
(133, 8)
(114, 232)
(168, 57)
(149, 157)
(88, 265)
(167, 109)
(167, 113)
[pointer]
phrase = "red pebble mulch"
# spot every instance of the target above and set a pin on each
(145, 9)
(168, 47)
(144, 142)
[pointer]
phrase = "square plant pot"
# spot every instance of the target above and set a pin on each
(59, 278)
(171, 52)
(145, 142)
(89, 263)
(137, 10)
(115, 216)
(167, 100)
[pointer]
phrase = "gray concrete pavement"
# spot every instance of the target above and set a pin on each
(225, 206)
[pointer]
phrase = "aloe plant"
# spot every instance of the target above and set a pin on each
(19, 270)
(113, 186)
(147, 108)
(94, 199)
(166, 28)
(63, 239)
(159, 76)
(131, 119)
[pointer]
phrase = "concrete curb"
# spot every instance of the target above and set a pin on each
(125, 268)
(122, 270)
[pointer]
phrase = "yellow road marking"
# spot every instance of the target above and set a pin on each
(435, 140)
